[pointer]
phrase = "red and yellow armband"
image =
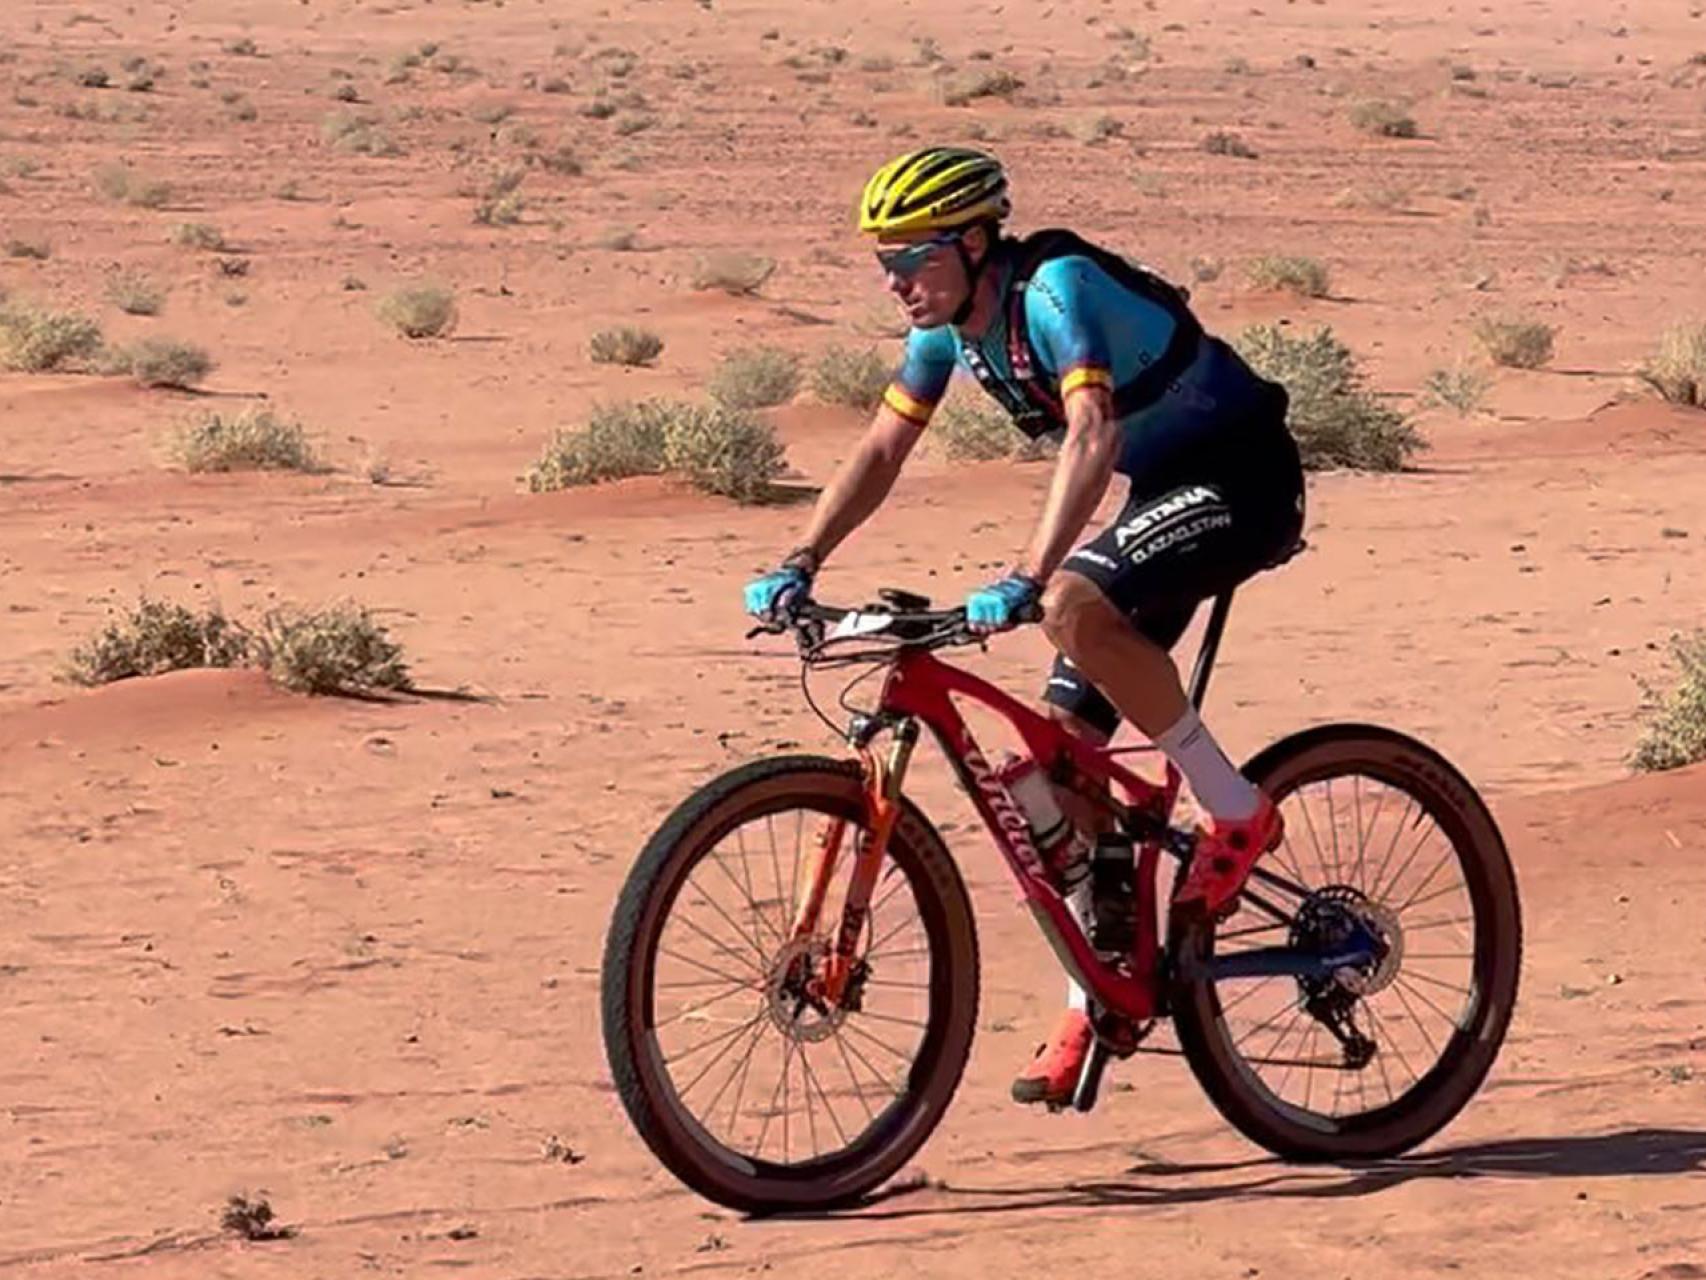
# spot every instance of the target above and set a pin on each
(908, 406)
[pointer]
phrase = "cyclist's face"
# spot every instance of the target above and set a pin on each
(924, 272)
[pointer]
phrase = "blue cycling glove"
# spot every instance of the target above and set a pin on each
(763, 595)
(1002, 604)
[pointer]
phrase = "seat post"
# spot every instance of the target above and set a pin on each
(1210, 646)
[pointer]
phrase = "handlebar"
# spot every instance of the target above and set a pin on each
(901, 620)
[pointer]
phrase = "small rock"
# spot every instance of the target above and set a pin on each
(1668, 532)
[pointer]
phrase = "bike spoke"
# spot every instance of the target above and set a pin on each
(1333, 829)
(716, 1039)
(1392, 845)
(1314, 839)
(841, 1044)
(812, 1081)
(1397, 989)
(676, 955)
(703, 1004)
(744, 1063)
(715, 1058)
(1228, 1008)
(1403, 1059)
(1270, 1022)
(880, 1043)
(865, 1062)
(758, 916)
(1362, 846)
(770, 1111)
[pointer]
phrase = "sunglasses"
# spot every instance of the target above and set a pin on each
(909, 260)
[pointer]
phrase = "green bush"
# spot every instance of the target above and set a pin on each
(35, 340)
(756, 378)
(625, 346)
(1336, 420)
(155, 637)
(1304, 276)
(1676, 722)
(853, 377)
(253, 440)
(340, 649)
(419, 310)
(1517, 342)
(1678, 370)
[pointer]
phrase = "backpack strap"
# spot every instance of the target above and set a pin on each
(1035, 404)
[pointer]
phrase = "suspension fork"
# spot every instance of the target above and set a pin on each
(884, 779)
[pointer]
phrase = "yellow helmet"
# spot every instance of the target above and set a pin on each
(935, 189)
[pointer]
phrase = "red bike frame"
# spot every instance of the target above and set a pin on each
(920, 687)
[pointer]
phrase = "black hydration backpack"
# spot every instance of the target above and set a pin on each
(1035, 403)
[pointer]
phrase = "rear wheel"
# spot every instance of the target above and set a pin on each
(1387, 846)
(750, 1089)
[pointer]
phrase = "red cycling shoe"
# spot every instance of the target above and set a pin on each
(1053, 1073)
(1225, 855)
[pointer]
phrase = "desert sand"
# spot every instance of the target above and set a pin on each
(345, 954)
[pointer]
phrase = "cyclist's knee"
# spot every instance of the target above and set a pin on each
(1074, 610)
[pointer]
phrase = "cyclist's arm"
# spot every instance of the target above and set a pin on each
(1081, 476)
(862, 482)
(1064, 323)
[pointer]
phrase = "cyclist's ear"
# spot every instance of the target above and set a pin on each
(977, 242)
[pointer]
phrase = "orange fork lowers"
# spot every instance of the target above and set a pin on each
(882, 804)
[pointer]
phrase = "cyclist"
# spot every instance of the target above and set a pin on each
(1108, 358)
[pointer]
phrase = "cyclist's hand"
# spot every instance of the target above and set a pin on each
(766, 596)
(1003, 604)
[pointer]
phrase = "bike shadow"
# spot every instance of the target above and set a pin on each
(1629, 1153)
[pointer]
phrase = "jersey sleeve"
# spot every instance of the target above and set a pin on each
(924, 375)
(1065, 326)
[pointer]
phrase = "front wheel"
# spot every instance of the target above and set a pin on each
(1386, 845)
(748, 1085)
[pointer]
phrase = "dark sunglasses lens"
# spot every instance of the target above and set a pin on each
(908, 261)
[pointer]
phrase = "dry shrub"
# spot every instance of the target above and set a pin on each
(982, 82)
(625, 346)
(1517, 342)
(357, 133)
(135, 293)
(1336, 420)
(197, 235)
(1383, 119)
(1222, 143)
(339, 649)
(154, 637)
(253, 440)
(37, 250)
(969, 427)
(756, 378)
(123, 185)
(1461, 387)
(1676, 721)
(1303, 276)
(617, 441)
(419, 310)
(716, 449)
(856, 377)
(166, 362)
(737, 273)
(1677, 370)
(722, 451)
(36, 340)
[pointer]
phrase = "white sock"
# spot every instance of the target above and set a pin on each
(1220, 788)
(1082, 905)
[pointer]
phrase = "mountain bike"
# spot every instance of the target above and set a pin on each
(790, 981)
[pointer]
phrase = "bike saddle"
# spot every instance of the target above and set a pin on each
(904, 600)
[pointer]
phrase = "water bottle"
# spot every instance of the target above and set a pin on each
(1063, 848)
